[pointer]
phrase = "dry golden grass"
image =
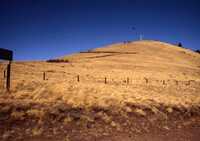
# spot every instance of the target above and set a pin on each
(167, 68)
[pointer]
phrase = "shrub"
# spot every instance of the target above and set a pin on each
(57, 61)
(180, 44)
(198, 51)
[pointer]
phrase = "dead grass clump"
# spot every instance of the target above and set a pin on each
(113, 124)
(105, 117)
(67, 120)
(87, 118)
(37, 131)
(128, 109)
(36, 113)
(85, 121)
(169, 110)
(154, 110)
(17, 115)
(140, 112)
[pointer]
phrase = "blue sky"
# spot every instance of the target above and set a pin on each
(44, 29)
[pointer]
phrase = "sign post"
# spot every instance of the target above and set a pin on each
(7, 55)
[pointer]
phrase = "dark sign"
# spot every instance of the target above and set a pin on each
(6, 54)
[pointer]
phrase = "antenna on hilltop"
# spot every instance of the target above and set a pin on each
(141, 37)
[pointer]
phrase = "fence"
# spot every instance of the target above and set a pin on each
(50, 76)
(3, 79)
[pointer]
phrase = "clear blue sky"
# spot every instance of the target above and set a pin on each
(43, 29)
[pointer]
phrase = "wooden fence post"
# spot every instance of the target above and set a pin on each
(163, 82)
(8, 76)
(105, 80)
(4, 74)
(78, 78)
(176, 82)
(44, 76)
(188, 83)
(146, 80)
(127, 80)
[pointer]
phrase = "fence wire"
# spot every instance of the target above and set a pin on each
(56, 77)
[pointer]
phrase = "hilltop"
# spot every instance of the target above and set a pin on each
(151, 57)
(133, 90)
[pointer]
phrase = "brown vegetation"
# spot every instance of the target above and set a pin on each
(100, 96)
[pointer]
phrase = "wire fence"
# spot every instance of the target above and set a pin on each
(52, 76)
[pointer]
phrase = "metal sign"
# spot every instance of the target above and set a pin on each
(6, 54)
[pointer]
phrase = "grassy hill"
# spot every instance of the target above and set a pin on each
(147, 56)
(103, 92)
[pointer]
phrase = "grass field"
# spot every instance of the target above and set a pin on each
(127, 89)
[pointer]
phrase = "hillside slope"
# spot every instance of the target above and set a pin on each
(151, 58)
(127, 91)
(135, 71)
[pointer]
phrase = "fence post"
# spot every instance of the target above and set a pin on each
(78, 78)
(8, 76)
(188, 83)
(146, 80)
(105, 80)
(4, 74)
(163, 82)
(127, 80)
(44, 76)
(176, 82)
